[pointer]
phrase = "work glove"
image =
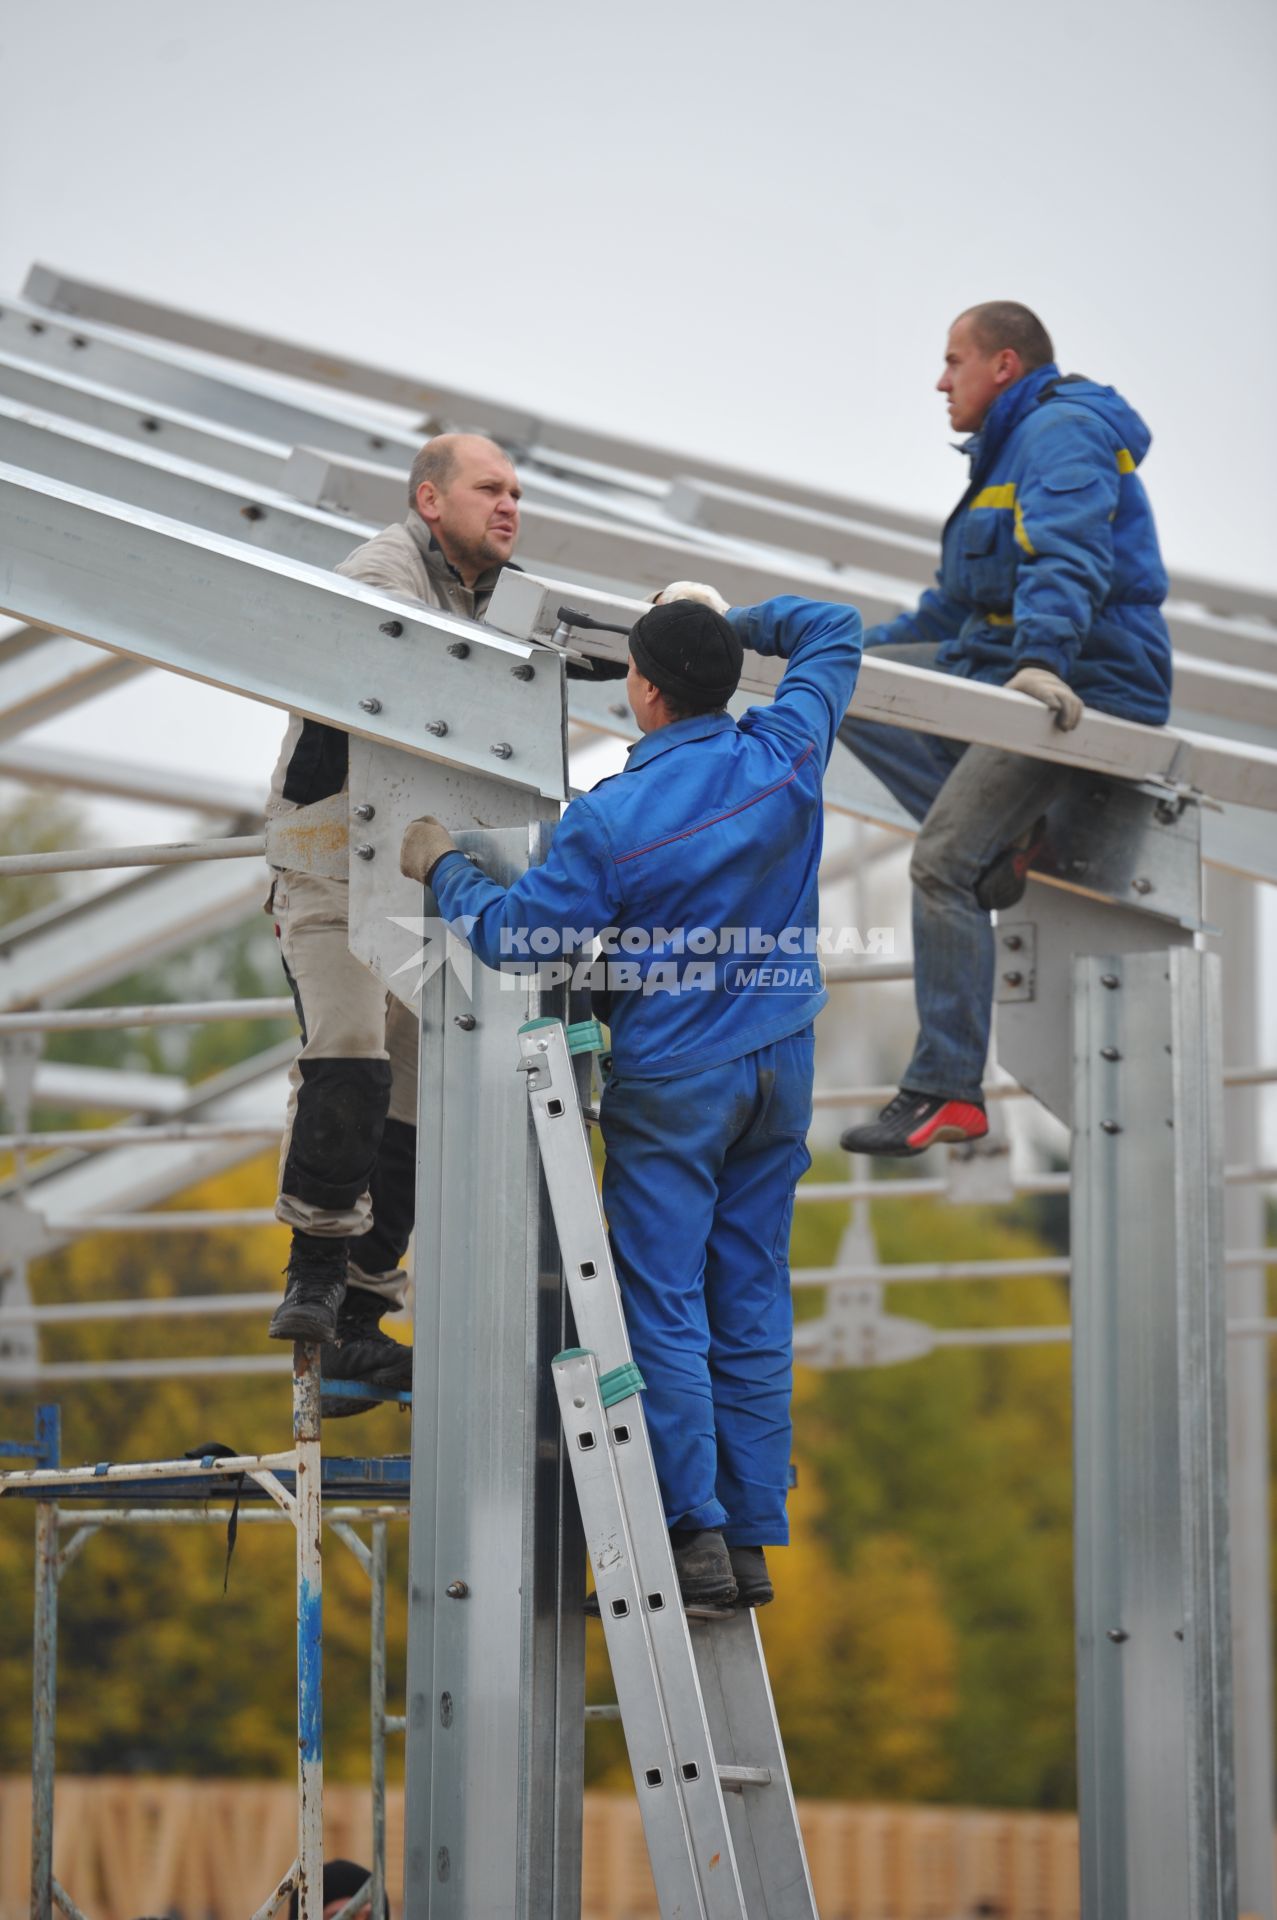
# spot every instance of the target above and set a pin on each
(1041, 684)
(424, 844)
(692, 590)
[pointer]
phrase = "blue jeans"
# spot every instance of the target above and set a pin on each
(972, 802)
(698, 1187)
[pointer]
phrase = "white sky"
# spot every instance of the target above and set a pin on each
(733, 227)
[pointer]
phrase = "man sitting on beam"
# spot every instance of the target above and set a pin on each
(1050, 584)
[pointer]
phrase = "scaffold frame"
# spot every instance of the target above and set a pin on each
(299, 1504)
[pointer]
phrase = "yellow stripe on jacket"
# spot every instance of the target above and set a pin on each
(1004, 497)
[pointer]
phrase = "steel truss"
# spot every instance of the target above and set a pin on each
(127, 438)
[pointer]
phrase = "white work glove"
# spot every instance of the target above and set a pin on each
(1041, 684)
(423, 846)
(692, 590)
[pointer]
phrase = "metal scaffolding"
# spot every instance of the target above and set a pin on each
(130, 1495)
(206, 481)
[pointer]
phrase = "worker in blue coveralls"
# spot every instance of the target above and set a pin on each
(1050, 584)
(699, 864)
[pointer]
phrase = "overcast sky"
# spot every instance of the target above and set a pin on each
(732, 227)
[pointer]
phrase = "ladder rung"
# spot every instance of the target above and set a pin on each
(736, 1779)
(607, 1710)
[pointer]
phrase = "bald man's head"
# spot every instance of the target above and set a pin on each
(467, 492)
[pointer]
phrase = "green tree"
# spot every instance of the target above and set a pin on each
(966, 1454)
(36, 823)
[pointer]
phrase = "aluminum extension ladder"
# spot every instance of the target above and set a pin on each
(718, 1810)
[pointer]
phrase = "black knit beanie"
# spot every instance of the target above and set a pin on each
(690, 652)
(342, 1879)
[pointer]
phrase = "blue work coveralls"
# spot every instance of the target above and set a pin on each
(1049, 559)
(698, 863)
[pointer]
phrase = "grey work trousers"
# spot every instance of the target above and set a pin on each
(972, 802)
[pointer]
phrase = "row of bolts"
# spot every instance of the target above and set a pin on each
(460, 651)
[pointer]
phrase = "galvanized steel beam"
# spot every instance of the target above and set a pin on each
(276, 630)
(57, 292)
(159, 481)
(65, 1084)
(901, 548)
(444, 406)
(63, 1193)
(70, 770)
(642, 555)
(164, 375)
(42, 674)
(632, 544)
(186, 436)
(530, 605)
(78, 946)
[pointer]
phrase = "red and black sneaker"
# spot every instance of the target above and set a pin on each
(912, 1122)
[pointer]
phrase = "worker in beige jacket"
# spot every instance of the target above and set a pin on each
(348, 1163)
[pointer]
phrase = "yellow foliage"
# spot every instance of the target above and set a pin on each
(157, 1667)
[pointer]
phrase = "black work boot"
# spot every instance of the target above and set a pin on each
(753, 1582)
(704, 1567)
(363, 1352)
(316, 1285)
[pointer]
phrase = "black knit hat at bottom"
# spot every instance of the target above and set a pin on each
(689, 652)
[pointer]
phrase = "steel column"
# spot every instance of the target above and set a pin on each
(495, 1667)
(1231, 903)
(1150, 1450)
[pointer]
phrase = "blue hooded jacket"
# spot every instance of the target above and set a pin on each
(698, 862)
(1051, 558)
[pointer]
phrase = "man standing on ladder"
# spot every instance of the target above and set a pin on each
(348, 1163)
(1051, 585)
(700, 861)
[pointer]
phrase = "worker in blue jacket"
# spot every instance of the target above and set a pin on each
(1050, 584)
(699, 864)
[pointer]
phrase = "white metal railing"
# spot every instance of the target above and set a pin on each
(164, 1014)
(178, 853)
